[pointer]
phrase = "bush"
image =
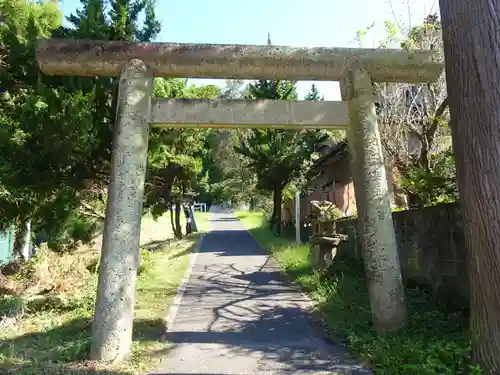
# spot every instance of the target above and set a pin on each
(75, 230)
(435, 185)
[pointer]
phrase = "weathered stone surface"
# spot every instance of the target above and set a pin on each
(373, 205)
(106, 58)
(112, 328)
(250, 113)
(324, 250)
(324, 211)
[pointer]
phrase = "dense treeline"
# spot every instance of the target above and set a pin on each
(56, 131)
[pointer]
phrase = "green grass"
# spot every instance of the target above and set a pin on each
(203, 221)
(434, 342)
(50, 333)
(161, 224)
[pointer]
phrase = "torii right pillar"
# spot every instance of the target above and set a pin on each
(375, 225)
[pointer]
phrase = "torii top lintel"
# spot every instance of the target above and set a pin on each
(107, 58)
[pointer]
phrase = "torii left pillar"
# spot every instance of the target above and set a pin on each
(112, 327)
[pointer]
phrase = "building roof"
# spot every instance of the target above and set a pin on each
(333, 151)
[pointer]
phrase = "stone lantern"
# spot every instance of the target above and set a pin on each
(325, 240)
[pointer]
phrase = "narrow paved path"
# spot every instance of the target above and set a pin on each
(237, 316)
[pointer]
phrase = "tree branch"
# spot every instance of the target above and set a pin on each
(88, 210)
(430, 133)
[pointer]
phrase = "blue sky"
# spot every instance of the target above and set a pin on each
(313, 23)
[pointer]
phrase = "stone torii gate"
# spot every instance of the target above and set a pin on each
(137, 63)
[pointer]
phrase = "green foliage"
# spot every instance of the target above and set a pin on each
(234, 89)
(418, 35)
(398, 209)
(435, 342)
(176, 155)
(435, 185)
(55, 132)
(23, 21)
(229, 179)
(144, 262)
(74, 230)
(46, 134)
(325, 211)
(313, 94)
(414, 121)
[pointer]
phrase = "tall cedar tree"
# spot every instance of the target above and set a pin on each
(471, 40)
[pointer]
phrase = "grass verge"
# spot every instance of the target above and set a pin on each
(435, 341)
(46, 311)
(203, 221)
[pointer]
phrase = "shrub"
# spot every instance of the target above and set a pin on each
(77, 229)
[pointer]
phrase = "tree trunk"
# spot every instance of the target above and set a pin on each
(471, 45)
(21, 250)
(189, 219)
(178, 226)
(278, 204)
(172, 221)
(273, 216)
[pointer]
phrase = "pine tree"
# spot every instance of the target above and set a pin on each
(313, 94)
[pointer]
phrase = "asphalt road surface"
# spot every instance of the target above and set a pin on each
(238, 316)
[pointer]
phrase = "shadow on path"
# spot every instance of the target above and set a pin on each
(239, 316)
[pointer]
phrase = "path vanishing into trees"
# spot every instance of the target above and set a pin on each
(238, 316)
